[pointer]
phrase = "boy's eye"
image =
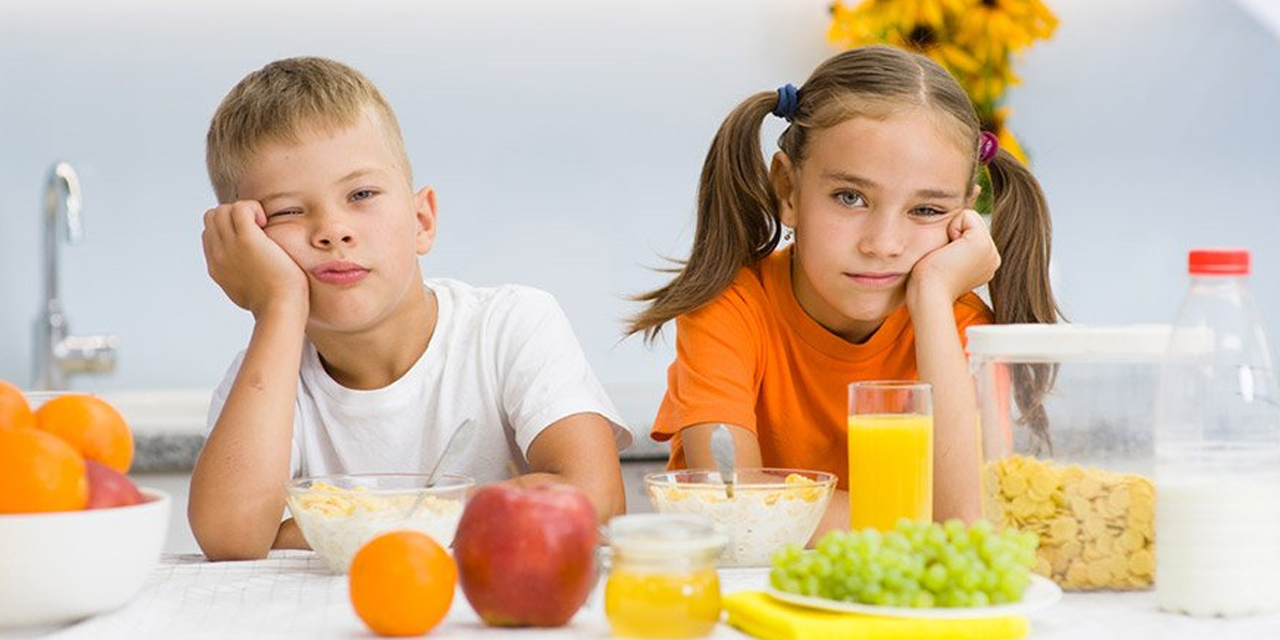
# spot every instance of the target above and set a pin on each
(363, 194)
(851, 199)
(281, 214)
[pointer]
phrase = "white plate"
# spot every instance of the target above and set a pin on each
(1041, 593)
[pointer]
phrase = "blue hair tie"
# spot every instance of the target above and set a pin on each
(788, 102)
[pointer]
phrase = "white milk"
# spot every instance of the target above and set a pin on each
(1218, 545)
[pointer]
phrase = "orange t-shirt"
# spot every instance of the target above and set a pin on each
(753, 358)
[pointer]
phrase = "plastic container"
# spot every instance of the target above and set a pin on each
(1068, 445)
(662, 576)
(1218, 450)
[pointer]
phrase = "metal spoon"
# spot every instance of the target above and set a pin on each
(723, 450)
(457, 442)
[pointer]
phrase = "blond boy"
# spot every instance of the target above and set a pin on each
(356, 364)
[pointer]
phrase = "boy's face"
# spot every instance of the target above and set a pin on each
(339, 203)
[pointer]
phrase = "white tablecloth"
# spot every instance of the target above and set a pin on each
(291, 595)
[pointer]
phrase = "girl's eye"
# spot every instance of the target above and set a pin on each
(283, 214)
(851, 199)
(928, 212)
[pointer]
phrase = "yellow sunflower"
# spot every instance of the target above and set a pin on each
(986, 84)
(974, 40)
(1009, 143)
(870, 21)
(852, 27)
(933, 43)
(1004, 26)
(924, 13)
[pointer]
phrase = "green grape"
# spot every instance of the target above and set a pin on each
(914, 565)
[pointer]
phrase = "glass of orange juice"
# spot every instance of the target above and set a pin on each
(890, 453)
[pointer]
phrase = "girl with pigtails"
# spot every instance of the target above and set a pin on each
(853, 255)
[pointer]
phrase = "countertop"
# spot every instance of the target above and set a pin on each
(291, 595)
(168, 431)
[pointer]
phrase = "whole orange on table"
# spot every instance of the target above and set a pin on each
(402, 583)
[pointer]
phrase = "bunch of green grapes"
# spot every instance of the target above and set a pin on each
(914, 565)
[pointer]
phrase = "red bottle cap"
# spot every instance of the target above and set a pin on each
(1218, 262)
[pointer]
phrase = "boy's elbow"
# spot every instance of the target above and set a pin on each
(610, 502)
(221, 541)
(225, 544)
(219, 552)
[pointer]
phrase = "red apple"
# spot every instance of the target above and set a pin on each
(108, 487)
(526, 557)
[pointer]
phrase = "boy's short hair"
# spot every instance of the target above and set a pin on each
(282, 101)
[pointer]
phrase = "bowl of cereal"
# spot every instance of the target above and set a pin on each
(766, 508)
(338, 514)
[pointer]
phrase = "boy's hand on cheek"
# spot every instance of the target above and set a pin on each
(249, 266)
(966, 262)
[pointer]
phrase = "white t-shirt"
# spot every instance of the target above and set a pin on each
(505, 357)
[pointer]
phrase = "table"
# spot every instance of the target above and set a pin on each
(291, 595)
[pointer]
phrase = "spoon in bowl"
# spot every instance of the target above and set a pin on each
(457, 442)
(723, 450)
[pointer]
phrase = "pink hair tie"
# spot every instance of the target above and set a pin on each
(988, 145)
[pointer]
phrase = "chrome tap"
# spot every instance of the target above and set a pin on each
(58, 355)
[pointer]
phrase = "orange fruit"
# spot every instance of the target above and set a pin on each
(402, 583)
(14, 410)
(91, 426)
(39, 472)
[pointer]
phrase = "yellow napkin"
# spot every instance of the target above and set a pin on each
(757, 614)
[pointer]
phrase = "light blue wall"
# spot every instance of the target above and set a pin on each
(564, 139)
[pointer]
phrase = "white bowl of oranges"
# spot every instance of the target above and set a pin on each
(78, 538)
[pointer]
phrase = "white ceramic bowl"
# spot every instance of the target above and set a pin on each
(339, 514)
(64, 566)
(769, 508)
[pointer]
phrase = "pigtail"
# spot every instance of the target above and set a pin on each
(1022, 232)
(737, 220)
(1020, 293)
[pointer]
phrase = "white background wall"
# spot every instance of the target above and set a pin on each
(565, 138)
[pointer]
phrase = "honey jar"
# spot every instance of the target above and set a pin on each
(662, 576)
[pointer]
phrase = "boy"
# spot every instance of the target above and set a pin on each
(356, 364)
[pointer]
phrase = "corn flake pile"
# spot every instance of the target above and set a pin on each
(332, 501)
(1096, 527)
(798, 488)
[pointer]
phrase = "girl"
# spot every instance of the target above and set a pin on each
(873, 183)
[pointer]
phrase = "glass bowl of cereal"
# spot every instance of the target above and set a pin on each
(338, 514)
(766, 508)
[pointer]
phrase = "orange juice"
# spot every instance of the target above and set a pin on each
(890, 469)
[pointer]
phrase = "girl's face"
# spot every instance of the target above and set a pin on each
(871, 198)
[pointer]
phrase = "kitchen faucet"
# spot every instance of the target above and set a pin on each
(58, 355)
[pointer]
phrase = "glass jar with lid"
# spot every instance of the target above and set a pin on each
(662, 576)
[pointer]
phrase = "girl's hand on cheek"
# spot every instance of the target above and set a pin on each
(966, 262)
(249, 266)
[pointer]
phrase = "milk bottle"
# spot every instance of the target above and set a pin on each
(1218, 450)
